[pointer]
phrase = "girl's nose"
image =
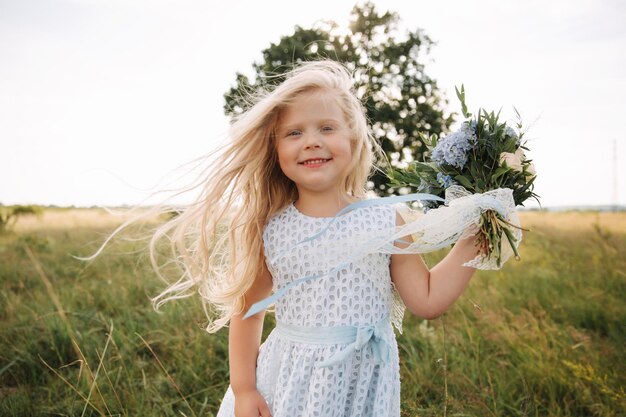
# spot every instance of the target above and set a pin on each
(312, 140)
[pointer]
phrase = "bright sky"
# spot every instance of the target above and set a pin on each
(101, 99)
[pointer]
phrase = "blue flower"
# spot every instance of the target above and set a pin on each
(511, 133)
(423, 186)
(452, 149)
(445, 180)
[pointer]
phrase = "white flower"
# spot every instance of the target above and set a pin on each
(515, 161)
(512, 160)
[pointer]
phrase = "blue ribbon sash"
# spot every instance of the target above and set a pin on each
(378, 335)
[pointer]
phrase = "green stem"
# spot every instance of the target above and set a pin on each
(511, 240)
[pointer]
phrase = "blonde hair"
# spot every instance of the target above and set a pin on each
(218, 239)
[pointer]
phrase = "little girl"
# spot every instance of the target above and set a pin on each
(268, 221)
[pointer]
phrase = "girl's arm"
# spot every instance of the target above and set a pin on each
(244, 337)
(429, 294)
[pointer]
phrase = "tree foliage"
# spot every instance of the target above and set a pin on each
(10, 214)
(389, 73)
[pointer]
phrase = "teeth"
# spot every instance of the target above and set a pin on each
(314, 161)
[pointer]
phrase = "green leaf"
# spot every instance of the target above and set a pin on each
(464, 182)
(424, 166)
(461, 96)
(499, 172)
(480, 185)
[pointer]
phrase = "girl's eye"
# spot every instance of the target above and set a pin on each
(296, 132)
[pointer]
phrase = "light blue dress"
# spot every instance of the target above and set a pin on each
(333, 352)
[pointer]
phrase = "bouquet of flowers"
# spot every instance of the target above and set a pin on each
(484, 154)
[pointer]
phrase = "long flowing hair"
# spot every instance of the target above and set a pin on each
(218, 239)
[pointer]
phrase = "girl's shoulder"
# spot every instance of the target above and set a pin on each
(277, 219)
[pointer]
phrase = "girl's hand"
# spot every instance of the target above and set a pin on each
(251, 404)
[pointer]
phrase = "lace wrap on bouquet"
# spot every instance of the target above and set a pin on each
(501, 200)
(459, 219)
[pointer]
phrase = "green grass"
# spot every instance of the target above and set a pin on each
(545, 336)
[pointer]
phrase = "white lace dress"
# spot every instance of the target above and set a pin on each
(360, 294)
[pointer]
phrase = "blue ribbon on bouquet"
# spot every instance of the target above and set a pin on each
(373, 202)
(266, 302)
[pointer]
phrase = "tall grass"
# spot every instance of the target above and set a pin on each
(545, 336)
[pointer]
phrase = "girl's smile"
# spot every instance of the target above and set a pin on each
(315, 163)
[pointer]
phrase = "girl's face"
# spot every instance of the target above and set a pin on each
(313, 143)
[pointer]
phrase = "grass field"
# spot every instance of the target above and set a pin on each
(545, 336)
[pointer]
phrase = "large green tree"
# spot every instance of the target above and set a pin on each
(400, 98)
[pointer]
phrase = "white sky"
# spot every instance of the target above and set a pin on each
(99, 100)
